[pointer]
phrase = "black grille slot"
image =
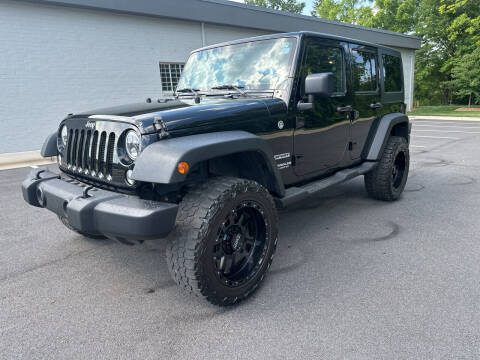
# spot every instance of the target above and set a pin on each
(74, 149)
(86, 150)
(101, 153)
(69, 147)
(81, 144)
(110, 148)
(93, 152)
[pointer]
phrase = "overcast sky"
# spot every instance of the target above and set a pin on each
(306, 10)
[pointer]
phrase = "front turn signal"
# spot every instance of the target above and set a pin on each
(182, 167)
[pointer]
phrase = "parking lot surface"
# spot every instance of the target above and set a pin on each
(353, 278)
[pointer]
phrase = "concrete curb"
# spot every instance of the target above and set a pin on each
(448, 118)
(22, 159)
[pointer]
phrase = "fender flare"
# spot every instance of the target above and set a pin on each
(49, 147)
(382, 133)
(157, 163)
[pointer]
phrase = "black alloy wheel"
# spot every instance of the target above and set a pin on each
(224, 240)
(398, 170)
(387, 181)
(240, 246)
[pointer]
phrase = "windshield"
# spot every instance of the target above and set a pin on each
(256, 65)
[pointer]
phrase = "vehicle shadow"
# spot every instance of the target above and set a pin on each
(295, 251)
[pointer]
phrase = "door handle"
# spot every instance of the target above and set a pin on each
(376, 105)
(344, 109)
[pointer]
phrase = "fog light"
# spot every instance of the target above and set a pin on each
(128, 177)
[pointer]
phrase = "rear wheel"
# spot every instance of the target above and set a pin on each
(224, 240)
(67, 224)
(387, 181)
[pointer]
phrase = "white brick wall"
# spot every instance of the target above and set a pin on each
(56, 60)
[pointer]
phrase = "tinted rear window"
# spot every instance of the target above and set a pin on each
(392, 73)
(364, 71)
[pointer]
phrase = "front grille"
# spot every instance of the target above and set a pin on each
(89, 152)
(94, 154)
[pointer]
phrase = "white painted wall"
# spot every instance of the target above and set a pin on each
(56, 60)
(215, 34)
(408, 60)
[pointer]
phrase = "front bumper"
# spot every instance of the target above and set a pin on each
(97, 211)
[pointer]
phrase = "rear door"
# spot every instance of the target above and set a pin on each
(366, 90)
(322, 133)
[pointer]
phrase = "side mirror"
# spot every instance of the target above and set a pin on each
(322, 84)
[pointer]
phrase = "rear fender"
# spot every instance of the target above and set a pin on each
(383, 131)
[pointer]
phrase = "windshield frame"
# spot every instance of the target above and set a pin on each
(291, 70)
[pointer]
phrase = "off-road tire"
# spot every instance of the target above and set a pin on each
(201, 214)
(381, 183)
(67, 224)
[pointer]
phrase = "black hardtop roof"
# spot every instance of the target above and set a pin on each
(296, 34)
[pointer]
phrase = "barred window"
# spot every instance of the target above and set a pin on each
(169, 75)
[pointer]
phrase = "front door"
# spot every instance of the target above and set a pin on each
(322, 133)
(365, 86)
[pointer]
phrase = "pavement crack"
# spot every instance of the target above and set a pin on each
(17, 274)
(461, 180)
(394, 231)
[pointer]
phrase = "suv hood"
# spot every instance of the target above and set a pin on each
(181, 115)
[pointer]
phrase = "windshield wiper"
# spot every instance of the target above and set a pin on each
(191, 91)
(231, 87)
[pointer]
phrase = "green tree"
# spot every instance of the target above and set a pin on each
(395, 15)
(466, 19)
(292, 6)
(432, 74)
(466, 76)
(350, 11)
(449, 30)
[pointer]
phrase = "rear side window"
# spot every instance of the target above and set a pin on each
(392, 73)
(321, 58)
(364, 71)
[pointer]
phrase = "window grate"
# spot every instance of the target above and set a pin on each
(169, 75)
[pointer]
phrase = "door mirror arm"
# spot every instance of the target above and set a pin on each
(303, 106)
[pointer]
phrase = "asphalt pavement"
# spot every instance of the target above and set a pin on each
(353, 278)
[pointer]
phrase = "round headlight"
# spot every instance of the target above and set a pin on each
(132, 144)
(62, 139)
(64, 135)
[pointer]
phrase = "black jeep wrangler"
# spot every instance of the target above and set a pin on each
(255, 125)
